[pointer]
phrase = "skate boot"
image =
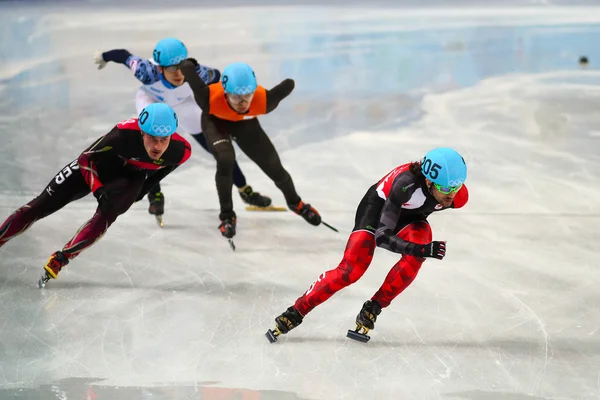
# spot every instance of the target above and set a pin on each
(307, 212)
(365, 321)
(253, 198)
(227, 229)
(287, 321)
(157, 206)
(52, 268)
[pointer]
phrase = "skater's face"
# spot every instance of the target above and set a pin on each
(445, 199)
(155, 146)
(239, 102)
(173, 75)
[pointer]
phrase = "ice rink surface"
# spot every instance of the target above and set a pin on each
(511, 313)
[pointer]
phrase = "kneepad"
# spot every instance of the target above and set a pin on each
(417, 232)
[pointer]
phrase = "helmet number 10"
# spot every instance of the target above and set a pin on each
(431, 169)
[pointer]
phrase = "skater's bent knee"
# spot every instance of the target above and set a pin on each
(225, 161)
(418, 232)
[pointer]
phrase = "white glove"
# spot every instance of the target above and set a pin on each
(99, 60)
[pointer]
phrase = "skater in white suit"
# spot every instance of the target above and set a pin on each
(163, 82)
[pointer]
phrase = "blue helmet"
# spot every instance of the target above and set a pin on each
(445, 167)
(169, 51)
(158, 119)
(238, 78)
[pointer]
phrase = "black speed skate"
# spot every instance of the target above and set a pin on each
(227, 229)
(253, 198)
(365, 321)
(52, 268)
(157, 206)
(307, 212)
(287, 321)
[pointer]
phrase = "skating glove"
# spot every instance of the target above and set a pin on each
(430, 250)
(193, 61)
(101, 195)
(99, 60)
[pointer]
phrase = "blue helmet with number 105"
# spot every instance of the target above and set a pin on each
(444, 167)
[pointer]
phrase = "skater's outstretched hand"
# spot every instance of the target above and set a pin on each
(99, 60)
(434, 249)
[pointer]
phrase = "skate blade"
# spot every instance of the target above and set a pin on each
(272, 335)
(359, 334)
(43, 280)
(231, 244)
(159, 221)
(329, 226)
(268, 208)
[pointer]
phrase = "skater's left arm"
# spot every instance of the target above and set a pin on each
(201, 91)
(142, 68)
(385, 235)
(183, 148)
(154, 179)
(278, 93)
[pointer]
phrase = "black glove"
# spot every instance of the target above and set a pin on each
(101, 194)
(193, 61)
(430, 250)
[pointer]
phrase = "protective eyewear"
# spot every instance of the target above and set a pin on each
(238, 98)
(447, 189)
(172, 68)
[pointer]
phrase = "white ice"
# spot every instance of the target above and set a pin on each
(510, 314)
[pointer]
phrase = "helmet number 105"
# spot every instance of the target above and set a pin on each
(431, 169)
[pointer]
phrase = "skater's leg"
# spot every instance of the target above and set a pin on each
(190, 116)
(400, 276)
(239, 179)
(255, 143)
(219, 142)
(404, 271)
(156, 202)
(122, 194)
(357, 258)
(154, 190)
(67, 186)
(122, 197)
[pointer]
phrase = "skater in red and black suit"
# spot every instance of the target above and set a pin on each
(392, 215)
(119, 169)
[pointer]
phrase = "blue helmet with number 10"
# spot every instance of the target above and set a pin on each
(444, 167)
(158, 119)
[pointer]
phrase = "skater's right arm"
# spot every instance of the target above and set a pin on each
(201, 91)
(142, 69)
(385, 235)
